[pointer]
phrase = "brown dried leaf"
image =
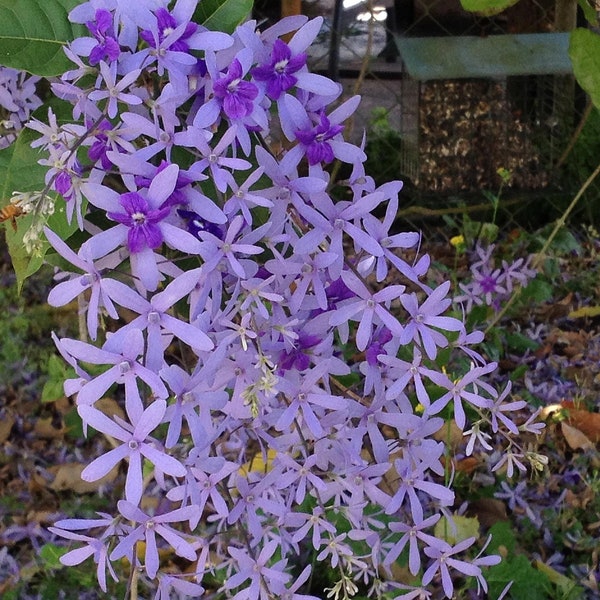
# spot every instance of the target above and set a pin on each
(575, 438)
(5, 427)
(579, 500)
(68, 477)
(449, 433)
(488, 510)
(584, 420)
(46, 430)
(110, 407)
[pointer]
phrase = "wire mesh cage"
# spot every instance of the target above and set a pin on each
(450, 134)
(470, 123)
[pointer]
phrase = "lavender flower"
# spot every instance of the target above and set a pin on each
(135, 445)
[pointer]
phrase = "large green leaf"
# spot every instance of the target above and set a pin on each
(222, 15)
(584, 51)
(20, 171)
(487, 7)
(33, 33)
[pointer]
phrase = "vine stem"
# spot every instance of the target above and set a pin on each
(540, 255)
(134, 575)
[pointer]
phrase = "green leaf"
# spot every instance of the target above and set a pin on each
(74, 425)
(50, 555)
(527, 582)
(538, 291)
(20, 171)
(33, 33)
(584, 51)
(222, 15)
(589, 12)
(519, 342)
(57, 373)
(487, 7)
(566, 587)
(502, 536)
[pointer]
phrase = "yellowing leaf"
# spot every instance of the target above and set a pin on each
(585, 312)
(456, 529)
(563, 583)
(257, 464)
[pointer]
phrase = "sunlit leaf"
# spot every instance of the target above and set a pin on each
(33, 34)
(50, 555)
(588, 312)
(257, 464)
(457, 529)
(568, 588)
(487, 7)
(584, 50)
(222, 15)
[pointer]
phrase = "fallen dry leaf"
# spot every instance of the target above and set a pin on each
(68, 477)
(46, 430)
(580, 499)
(110, 407)
(584, 420)
(488, 510)
(576, 439)
(6, 424)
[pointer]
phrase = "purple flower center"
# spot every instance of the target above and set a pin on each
(488, 284)
(236, 94)
(316, 139)
(142, 221)
(278, 72)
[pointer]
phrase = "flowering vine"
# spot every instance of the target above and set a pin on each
(278, 374)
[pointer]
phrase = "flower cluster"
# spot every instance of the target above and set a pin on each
(279, 394)
(18, 99)
(492, 285)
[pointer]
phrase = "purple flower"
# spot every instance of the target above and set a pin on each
(316, 140)
(142, 224)
(165, 26)
(107, 47)
(284, 67)
(136, 443)
(499, 407)
(372, 308)
(141, 220)
(411, 533)
(115, 92)
(320, 142)
(65, 291)
(125, 369)
(427, 316)
(93, 546)
(465, 388)
(413, 478)
(148, 528)
(278, 73)
(255, 570)
(156, 320)
(443, 555)
(236, 94)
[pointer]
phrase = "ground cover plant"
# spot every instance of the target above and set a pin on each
(266, 378)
